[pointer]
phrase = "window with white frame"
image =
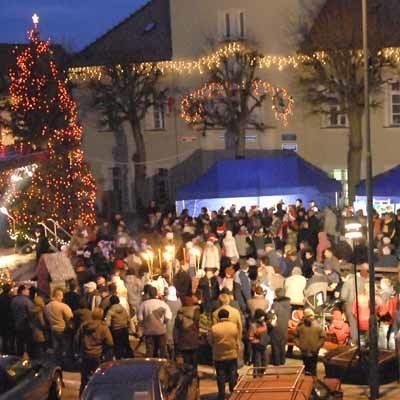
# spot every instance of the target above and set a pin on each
(232, 24)
(395, 103)
(155, 118)
(335, 118)
(159, 116)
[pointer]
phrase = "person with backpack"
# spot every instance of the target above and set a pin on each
(259, 340)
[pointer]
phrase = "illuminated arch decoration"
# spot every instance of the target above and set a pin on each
(193, 108)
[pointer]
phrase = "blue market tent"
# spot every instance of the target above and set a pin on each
(385, 190)
(258, 181)
(386, 184)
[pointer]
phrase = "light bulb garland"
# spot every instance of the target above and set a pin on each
(193, 106)
(209, 62)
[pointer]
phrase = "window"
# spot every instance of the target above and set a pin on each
(395, 103)
(159, 116)
(335, 118)
(155, 118)
(227, 25)
(232, 24)
(288, 137)
(241, 25)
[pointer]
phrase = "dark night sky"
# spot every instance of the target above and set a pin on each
(73, 23)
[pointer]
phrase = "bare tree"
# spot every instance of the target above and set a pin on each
(125, 94)
(230, 99)
(333, 72)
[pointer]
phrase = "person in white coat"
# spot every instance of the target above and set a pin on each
(229, 243)
(210, 257)
(294, 287)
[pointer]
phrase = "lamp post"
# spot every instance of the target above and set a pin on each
(373, 334)
(5, 212)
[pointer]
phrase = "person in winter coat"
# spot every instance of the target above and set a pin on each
(175, 304)
(363, 309)
(386, 305)
(308, 261)
(183, 282)
(258, 301)
(134, 286)
(39, 327)
(323, 244)
(211, 257)
(6, 321)
(309, 338)
(224, 339)
(234, 314)
(294, 287)
(95, 340)
(60, 318)
(121, 291)
(117, 319)
(243, 243)
(330, 223)
(186, 332)
(229, 245)
(339, 328)
(259, 340)
(21, 306)
(209, 290)
(243, 286)
(282, 309)
(153, 314)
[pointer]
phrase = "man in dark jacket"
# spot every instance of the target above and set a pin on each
(186, 332)
(6, 321)
(94, 340)
(183, 282)
(282, 308)
(21, 307)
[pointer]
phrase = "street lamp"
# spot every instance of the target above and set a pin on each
(4, 211)
(373, 333)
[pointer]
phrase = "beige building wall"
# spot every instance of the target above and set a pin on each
(194, 24)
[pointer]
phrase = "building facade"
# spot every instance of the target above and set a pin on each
(185, 30)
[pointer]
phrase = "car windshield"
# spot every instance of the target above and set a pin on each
(117, 391)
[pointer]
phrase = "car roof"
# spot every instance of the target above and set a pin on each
(125, 370)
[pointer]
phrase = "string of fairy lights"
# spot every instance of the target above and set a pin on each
(194, 105)
(212, 60)
(61, 187)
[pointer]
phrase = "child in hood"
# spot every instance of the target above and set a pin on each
(340, 328)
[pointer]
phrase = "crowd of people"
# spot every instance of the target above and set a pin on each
(249, 283)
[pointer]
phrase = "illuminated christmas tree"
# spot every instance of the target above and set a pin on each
(45, 118)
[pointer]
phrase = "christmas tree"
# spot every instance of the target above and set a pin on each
(45, 118)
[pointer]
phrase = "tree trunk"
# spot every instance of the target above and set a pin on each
(354, 154)
(240, 141)
(139, 159)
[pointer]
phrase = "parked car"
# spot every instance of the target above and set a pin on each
(29, 379)
(142, 379)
